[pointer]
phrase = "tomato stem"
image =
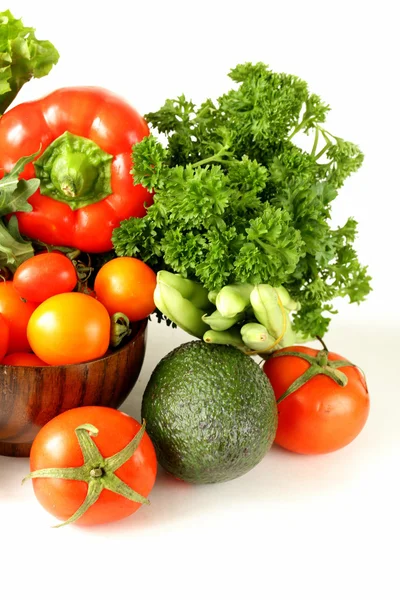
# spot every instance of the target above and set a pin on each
(322, 342)
(318, 365)
(120, 327)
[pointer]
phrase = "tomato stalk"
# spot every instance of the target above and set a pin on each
(98, 472)
(120, 327)
(319, 365)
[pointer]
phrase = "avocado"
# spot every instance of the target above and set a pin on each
(210, 412)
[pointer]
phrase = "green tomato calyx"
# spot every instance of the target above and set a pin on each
(98, 472)
(318, 365)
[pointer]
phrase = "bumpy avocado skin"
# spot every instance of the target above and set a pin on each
(210, 412)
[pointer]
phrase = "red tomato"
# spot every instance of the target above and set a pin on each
(17, 314)
(23, 359)
(45, 275)
(320, 416)
(56, 446)
(126, 285)
(69, 328)
(4, 336)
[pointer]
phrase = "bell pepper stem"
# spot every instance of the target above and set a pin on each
(74, 170)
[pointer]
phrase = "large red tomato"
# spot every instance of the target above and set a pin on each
(324, 412)
(112, 459)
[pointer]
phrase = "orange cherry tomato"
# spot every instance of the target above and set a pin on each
(126, 285)
(23, 359)
(45, 275)
(320, 416)
(4, 336)
(56, 446)
(17, 314)
(69, 328)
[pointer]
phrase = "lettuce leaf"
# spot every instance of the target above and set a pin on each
(22, 57)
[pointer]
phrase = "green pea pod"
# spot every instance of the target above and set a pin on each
(219, 323)
(191, 290)
(233, 299)
(180, 310)
(256, 337)
(230, 337)
(268, 309)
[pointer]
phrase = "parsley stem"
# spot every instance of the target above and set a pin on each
(324, 149)
(204, 161)
(314, 148)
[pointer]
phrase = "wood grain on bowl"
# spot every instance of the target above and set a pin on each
(31, 396)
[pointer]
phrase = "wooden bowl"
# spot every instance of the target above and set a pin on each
(31, 396)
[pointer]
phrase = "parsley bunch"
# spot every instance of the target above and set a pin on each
(237, 200)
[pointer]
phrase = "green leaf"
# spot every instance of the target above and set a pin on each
(22, 57)
(14, 192)
(14, 250)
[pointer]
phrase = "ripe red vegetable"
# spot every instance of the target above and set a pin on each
(126, 285)
(323, 400)
(23, 359)
(85, 136)
(17, 314)
(115, 487)
(45, 275)
(4, 336)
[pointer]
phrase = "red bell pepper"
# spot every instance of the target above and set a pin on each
(85, 136)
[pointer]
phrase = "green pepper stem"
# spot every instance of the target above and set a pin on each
(74, 170)
(73, 174)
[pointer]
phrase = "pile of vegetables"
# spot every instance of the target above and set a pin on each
(215, 218)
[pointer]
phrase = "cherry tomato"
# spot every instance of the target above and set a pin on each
(23, 359)
(56, 446)
(320, 416)
(45, 275)
(69, 328)
(4, 336)
(17, 314)
(126, 285)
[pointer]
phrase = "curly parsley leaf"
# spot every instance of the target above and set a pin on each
(237, 200)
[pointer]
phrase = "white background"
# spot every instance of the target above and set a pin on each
(294, 527)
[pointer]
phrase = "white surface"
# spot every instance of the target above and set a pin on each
(294, 527)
